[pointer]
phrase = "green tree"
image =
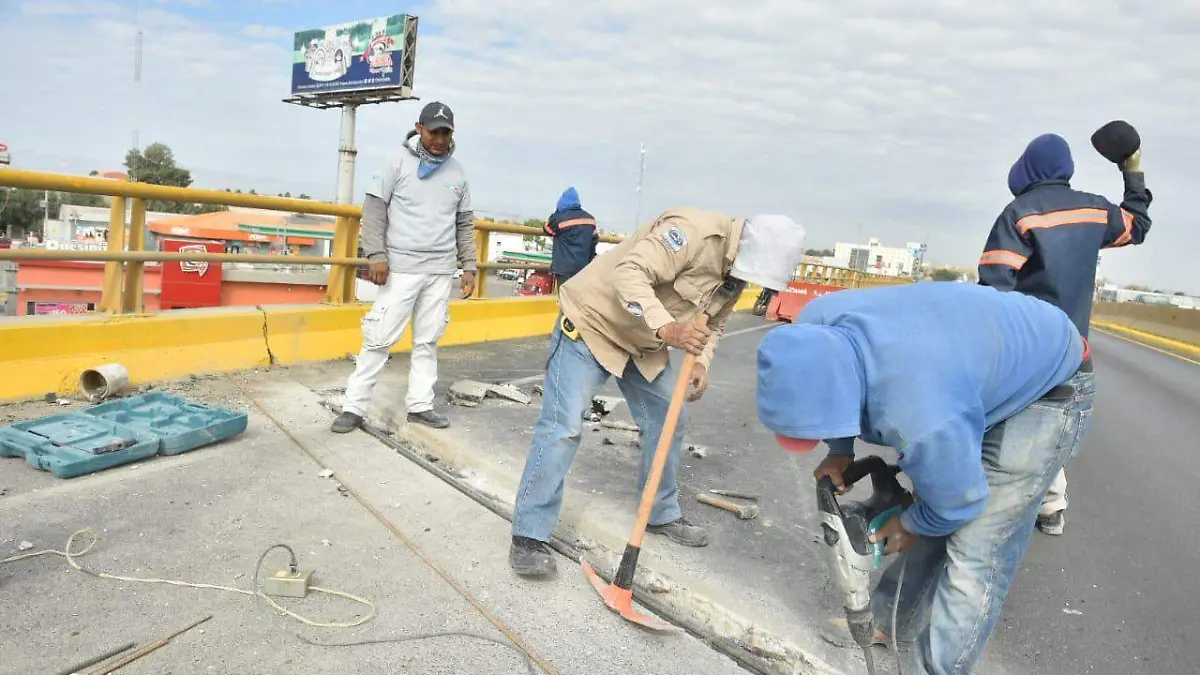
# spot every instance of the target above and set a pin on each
(156, 165)
(820, 253)
(944, 274)
(23, 209)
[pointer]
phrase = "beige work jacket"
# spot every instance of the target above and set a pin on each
(671, 270)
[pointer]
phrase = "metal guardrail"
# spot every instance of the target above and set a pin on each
(123, 273)
(123, 270)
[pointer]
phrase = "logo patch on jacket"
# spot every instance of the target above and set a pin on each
(454, 188)
(675, 239)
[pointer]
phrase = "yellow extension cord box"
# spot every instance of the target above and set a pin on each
(287, 582)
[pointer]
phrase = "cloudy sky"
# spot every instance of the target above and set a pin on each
(859, 118)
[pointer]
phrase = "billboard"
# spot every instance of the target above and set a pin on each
(5, 158)
(370, 55)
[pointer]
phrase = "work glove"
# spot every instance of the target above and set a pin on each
(1134, 163)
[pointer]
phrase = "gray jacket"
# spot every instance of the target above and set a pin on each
(422, 225)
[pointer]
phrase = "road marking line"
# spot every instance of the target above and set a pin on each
(526, 380)
(1147, 346)
(749, 330)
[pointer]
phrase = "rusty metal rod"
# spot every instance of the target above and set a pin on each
(112, 668)
(93, 661)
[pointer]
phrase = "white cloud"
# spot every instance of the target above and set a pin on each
(896, 119)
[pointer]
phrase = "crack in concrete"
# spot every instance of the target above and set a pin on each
(267, 336)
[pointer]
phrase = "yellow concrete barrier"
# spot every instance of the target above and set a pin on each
(302, 333)
(46, 354)
(39, 355)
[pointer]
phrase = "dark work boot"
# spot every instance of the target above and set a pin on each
(530, 558)
(345, 423)
(1052, 524)
(682, 532)
(429, 418)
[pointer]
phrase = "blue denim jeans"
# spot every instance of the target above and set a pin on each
(573, 376)
(955, 586)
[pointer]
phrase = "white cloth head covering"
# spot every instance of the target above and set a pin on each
(771, 248)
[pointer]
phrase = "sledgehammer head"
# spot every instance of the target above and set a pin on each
(747, 511)
(1116, 141)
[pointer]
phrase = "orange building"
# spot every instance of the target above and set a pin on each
(249, 231)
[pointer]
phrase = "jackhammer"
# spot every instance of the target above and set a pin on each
(847, 527)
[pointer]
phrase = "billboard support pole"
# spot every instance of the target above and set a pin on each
(346, 155)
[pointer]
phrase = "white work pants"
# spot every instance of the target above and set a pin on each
(1056, 497)
(423, 298)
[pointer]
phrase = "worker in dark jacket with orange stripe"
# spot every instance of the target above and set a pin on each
(1047, 242)
(575, 237)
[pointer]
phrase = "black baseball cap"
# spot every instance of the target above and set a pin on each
(437, 116)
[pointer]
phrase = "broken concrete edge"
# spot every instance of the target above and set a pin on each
(473, 392)
(660, 585)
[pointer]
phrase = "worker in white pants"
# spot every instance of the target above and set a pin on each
(1053, 503)
(417, 227)
(424, 298)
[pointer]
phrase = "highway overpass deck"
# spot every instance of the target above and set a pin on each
(1114, 594)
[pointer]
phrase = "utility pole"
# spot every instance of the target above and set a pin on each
(346, 155)
(637, 219)
(137, 86)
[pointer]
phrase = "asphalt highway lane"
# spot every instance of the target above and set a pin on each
(1118, 592)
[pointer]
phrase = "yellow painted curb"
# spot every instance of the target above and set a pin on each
(1149, 338)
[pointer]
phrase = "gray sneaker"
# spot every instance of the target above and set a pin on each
(1052, 524)
(345, 423)
(682, 532)
(429, 418)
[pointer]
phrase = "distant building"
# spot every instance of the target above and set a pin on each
(250, 231)
(876, 258)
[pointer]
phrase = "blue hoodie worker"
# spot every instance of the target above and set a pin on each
(417, 226)
(983, 394)
(575, 237)
(1047, 242)
(618, 317)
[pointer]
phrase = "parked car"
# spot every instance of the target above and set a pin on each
(538, 283)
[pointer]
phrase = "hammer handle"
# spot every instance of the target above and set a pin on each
(719, 503)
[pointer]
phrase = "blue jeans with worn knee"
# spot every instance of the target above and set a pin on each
(954, 587)
(573, 376)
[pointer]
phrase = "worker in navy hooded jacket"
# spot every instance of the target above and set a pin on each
(1047, 242)
(574, 232)
(982, 393)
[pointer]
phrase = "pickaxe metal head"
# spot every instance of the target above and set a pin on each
(620, 599)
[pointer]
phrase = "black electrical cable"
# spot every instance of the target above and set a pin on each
(529, 667)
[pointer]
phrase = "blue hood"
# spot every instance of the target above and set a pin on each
(1047, 157)
(810, 383)
(568, 200)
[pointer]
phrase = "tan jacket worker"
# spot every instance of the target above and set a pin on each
(619, 315)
